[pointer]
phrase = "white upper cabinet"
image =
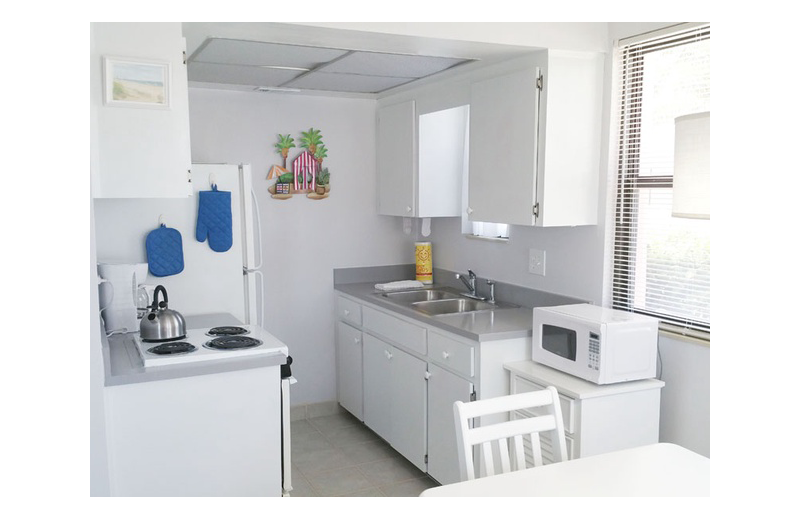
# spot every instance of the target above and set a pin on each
(534, 142)
(420, 160)
(140, 150)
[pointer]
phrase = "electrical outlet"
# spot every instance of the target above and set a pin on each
(536, 262)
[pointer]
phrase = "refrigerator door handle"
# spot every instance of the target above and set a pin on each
(259, 253)
(257, 230)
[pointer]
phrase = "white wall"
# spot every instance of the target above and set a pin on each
(304, 239)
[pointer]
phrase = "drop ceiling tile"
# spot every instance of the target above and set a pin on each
(392, 65)
(239, 74)
(346, 82)
(243, 52)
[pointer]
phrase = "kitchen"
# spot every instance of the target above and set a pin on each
(305, 241)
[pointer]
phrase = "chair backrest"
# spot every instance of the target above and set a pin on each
(542, 414)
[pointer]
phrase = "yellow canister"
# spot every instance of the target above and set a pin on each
(424, 258)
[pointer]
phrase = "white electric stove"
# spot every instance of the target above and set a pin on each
(209, 344)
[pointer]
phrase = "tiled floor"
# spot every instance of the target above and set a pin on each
(336, 455)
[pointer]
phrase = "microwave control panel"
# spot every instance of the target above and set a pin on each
(594, 351)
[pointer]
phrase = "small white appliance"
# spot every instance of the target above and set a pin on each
(594, 343)
(119, 299)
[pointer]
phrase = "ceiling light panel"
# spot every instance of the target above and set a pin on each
(346, 82)
(239, 75)
(392, 65)
(243, 52)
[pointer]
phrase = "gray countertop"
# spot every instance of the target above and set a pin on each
(124, 366)
(488, 325)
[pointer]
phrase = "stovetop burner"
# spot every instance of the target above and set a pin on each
(232, 343)
(228, 330)
(175, 347)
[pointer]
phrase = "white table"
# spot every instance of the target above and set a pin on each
(653, 470)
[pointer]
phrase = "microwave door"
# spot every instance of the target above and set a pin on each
(560, 341)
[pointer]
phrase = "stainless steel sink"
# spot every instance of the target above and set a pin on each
(452, 306)
(420, 295)
(439, 301)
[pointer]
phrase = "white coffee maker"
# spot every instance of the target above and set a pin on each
(121, 295)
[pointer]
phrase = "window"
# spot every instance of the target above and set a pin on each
(489, 230)
(661, 263)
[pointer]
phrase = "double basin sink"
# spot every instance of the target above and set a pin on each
(439, 301)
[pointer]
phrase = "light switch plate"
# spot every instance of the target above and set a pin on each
(536, 261)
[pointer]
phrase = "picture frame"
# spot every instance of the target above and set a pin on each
(136, 83)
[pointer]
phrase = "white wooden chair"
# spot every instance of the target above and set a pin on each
(506, 438)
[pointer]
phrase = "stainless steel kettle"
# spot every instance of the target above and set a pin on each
(161, 323)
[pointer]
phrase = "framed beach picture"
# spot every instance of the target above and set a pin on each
(131, 82)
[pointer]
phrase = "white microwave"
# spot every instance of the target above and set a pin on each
(595, 343)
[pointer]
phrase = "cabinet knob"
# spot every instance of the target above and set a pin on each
(388, 354)
(357, 340)
(408, 209)
(445, 354)
(469, 211)
(346, 312)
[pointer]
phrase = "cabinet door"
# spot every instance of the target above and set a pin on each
(350, 375)
(503, 147)
(377, 387)
(408, 406)
(444, 389)
(442, 139)
(396, 159)
(140, 152)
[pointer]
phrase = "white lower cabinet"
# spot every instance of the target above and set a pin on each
(444, 388)
(349, 373)
(410, 375)
(597, 418)
(395, 398)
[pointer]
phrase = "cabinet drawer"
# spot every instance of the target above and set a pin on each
(348, 310)
(521, 385)
(452, 354)
(398, 331)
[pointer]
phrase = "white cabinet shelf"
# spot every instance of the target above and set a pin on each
(597, 418)
(140, 152)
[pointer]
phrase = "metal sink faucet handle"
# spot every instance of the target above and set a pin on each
(470, 283)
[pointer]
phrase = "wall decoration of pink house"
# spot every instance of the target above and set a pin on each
(302, 166)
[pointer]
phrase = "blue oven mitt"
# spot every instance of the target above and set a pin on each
(214, 220)
(164, 251)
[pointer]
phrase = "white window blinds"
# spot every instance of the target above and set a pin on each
(662, 264)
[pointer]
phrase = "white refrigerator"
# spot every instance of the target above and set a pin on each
(211, 282)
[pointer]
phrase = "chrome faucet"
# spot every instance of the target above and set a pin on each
(471, 284)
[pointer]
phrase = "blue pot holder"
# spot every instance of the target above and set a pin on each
(164, 251)
(214, 219)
